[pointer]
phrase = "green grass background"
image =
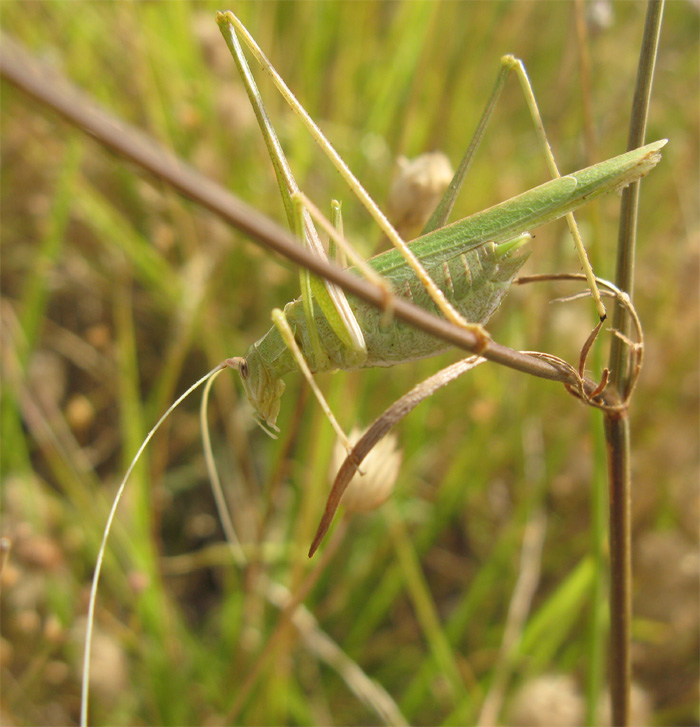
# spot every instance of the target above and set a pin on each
(117, 294)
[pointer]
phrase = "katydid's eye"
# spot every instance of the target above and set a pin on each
(243, 368)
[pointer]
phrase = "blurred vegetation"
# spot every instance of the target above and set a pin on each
(117, 294)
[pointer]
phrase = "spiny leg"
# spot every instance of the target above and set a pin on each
(330, 297)
(439, 218)
(230, 27)
(517, 65)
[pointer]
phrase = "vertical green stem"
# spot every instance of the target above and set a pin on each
(627, 232)
(617, 424)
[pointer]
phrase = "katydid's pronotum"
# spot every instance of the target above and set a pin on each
(461, 270)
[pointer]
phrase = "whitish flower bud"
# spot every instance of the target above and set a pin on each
(416, 191)
(381, 467)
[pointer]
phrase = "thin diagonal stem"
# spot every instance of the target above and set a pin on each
(22, 70)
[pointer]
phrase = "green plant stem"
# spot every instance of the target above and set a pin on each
(617, 431)
(627, 232)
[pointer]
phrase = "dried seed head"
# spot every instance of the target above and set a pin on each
(549, 700)
(416, 190)
(600, 15)
(381, 466)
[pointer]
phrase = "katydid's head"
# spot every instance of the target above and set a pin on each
(262, 387)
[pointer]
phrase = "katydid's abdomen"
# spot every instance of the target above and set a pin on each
(474, 283)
